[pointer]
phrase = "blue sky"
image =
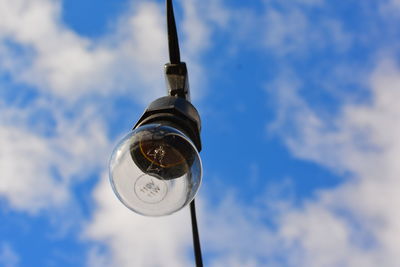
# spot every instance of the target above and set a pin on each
(299, 105)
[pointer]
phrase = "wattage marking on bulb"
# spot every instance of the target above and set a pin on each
(151, 189)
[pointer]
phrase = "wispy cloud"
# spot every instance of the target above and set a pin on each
(59, 136)
(37, 170)
(357, 219)
(132, 239)
(353, 224)
(8, 257)
(58, 61)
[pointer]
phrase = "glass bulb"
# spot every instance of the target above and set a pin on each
(155, 170)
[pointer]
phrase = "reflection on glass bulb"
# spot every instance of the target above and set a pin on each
(155, 170)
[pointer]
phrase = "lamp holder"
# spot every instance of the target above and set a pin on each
(176, 112)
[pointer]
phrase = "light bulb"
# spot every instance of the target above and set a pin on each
(155, 170)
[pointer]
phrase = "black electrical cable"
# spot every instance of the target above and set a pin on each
(196, 239)
(173, 44)
(175, 58)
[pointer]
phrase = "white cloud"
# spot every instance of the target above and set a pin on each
(134, 240)
(8, 257)
(38, 170)
(65, 69)
(236, 234)
(37, 49)
(200, 21)
(289, 29)
(354, 224)
(55, 59)
(357, 223)
(389, 8)
(283, 27)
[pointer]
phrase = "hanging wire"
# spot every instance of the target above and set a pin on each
(196, 239)
(173, 44)
(175, 58)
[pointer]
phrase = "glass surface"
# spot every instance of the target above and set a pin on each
(155, 170)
